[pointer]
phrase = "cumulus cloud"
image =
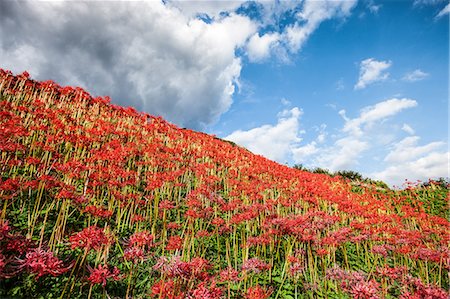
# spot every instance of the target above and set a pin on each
(144, 54)
(272, 141)
(357, 136)
(371, 133)
(178, 59)
(259, 47)
(282, 142)
(409, 160)
(409, 145)
(379, 111)
(415, 75)
(372, 71)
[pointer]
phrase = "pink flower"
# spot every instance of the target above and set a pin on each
(172, 266)
(255, 265)
(229, 274)
(365, 290)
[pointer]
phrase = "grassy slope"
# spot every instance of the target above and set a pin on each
(203, 207)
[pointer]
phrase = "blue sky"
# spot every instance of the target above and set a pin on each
(357, 85)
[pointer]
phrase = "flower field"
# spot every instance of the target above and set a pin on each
(101, 201)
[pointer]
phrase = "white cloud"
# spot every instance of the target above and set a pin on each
(211, 8)
(367, 139)
(357, 136)
(301, 153)
(272, 141)
(407, 128)
(372, 71)
(145, 54)
(377, 112)
(407, 149)
(343, 154)
(415, 75)
(408, 160)
(178, 59)
(258, 47)
(427, 2)
(313, 13)
(444, 11)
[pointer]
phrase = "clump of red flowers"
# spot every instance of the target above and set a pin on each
(103, 273)
(91, 237)
(41, 263)
(257, 292)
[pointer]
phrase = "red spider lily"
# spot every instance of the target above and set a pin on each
(98, 212)
(171, 266)
(198, 267)
(257, 292)
(255, 265)
(264, 239)
(18, 243)
(202, 234)
(174, 243)
(230, 275)
(41, 263)
(365, 290)
(166, 290)
(137, 218)
(89, 238)
(6, 269)
(427, 290)
(173, 226)
(134, 254)
(381, 249)
(392, 273)
(102, 274)
(202, 292)
(4, 229)
(296, 265)
(143, 238)
(66, 152)
(166, 205)
(322, 252)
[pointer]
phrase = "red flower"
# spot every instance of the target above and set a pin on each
(229, 274)
(134, 254)
(202, 292)
(365, 290)
(257, 292)
(89, 238)
(42, 263)
(174, 243)
(102, 273)
(255, 265)
(143, 238)
(166, 290)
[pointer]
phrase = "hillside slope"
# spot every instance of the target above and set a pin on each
(100, 200)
